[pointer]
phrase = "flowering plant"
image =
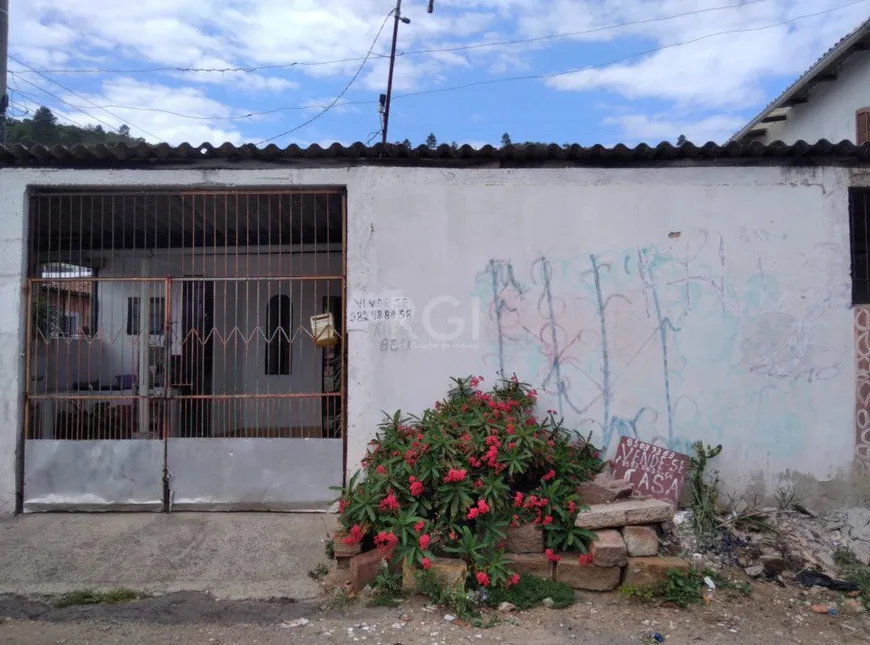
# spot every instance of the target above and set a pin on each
(453, 480)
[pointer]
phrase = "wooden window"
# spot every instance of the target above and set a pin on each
(863, 122)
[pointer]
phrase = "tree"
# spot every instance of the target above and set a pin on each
(681, 139)
(454, 146)
(431, 141)
(505, 140)
(43, 128)
(44, 116)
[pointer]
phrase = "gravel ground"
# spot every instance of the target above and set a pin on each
(771, 615)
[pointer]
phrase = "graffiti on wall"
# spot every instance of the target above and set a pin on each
(862, 385)
(638, 342)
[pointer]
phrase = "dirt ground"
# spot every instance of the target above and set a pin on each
(772, 614)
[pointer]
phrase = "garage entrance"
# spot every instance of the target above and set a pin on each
(185, 349)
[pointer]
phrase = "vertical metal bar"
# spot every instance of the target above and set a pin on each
(344, 339)
(167, 391)
(28, 349)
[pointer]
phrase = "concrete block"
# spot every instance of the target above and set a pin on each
(450, 572)
(609, 549)
(641, 541)
(587, 577)
(646, 572)
(364, 568)
(531, 563)
(527, 538)
(633, 511)
(341, 549)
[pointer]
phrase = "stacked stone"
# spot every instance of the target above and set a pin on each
(626, 551)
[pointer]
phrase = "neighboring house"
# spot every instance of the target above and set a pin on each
(70, 307)
(672, 294)
(829, 101)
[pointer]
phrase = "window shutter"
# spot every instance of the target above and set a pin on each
(863, 131)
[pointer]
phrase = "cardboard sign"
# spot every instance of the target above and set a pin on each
(653, 470)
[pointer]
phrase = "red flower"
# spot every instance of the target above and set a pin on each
(513, 580)
(419, 437)
(482, 579)
(452, 535)
(552, 557)
(472, 514)
(386, 541)
(511, 445)
(572, 507)
(454, 476)
(478, 483)
(474, 461)
(548, 519)
(483, 507)
(427, 564)
(416, 489)
(342, 505)
(492, 440)
(585, 559)
(552, 443)
(355, 536)
(518, 500)
(550, 475)
(389, 503)
(515, 521)
(424, 541)
(418, 527)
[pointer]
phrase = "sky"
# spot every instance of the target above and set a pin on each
(561, 71)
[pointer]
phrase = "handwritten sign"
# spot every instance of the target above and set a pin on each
(653, 470)
(363, 310)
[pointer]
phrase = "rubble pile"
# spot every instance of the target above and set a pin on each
(772, 543)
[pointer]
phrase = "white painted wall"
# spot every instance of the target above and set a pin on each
(745, 269)
(830, 112)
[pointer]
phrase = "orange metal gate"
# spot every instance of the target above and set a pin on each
(171, 360)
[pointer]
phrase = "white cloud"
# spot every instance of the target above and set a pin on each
(710, 79)
(211, 125)
(723, 70)
(653, 129)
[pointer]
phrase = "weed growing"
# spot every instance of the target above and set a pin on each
(90, 597)
(681, 589)
(530, 592)
(705, 491)
(319, 572)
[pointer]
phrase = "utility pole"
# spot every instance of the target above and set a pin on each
(397, 16)
(4, 50)
(385, 101)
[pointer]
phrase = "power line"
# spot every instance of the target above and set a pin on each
(84, 98)
(57, 98)
(496, 43)
(36, 101)
(466, 85)
(624, 58)
(337, 98)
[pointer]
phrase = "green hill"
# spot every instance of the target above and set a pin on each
(44, 128)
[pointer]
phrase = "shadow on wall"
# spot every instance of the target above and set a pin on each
(670, 345)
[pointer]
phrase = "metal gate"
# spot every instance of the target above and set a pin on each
(185, 350)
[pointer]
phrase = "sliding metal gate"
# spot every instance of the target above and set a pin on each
(171, 361)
